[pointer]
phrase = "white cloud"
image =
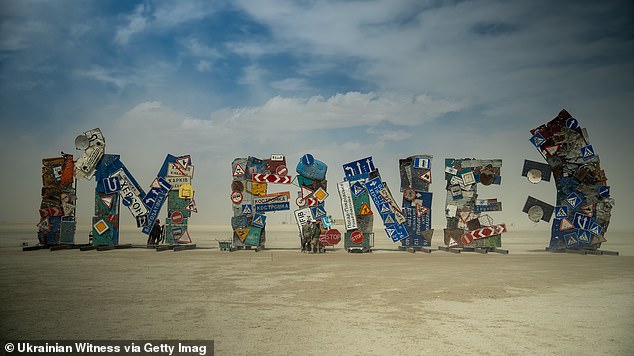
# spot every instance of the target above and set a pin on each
(339, 111)
(136, 22)
(204, 66)
(290, 84)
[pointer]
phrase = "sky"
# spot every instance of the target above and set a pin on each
(341, 80)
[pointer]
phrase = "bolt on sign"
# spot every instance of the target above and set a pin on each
(467, 224)
(583, 203)
(415, 173)
(251, 178)
(57, 208)
(313, 220)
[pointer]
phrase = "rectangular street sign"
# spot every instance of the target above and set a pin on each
(176, 170)
(347, 205)
(262, 208)
(361, 166)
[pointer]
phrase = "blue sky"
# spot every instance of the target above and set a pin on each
(340, 79)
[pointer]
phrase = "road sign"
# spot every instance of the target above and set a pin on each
(604, 191)
(565, 224)
(263, 208)
(571, 241)
(581, 221)
(320, 194)
(356, 237)
(551, 150)
(537, 139)
(184, 237)
(587, 152)
(561, 212)
(177, 217)
(365, 209)
(101, 227)
(186, 191)
(361, 166)
(357, 188)
(302, 216)
(247, 209)
(107, 201)
(595, 228)
(258, 220)
(572, 123)
(184, 161)
(426, 177)
(486, 231)
(347, 205)
(396, 232)
(271, 178)
(330, 237)
(111, 184)
(306, 192)
(236, 197)
(272, 198)
(176, 182)
(51, 212)
(155, 199)
(281, 170)
(422, 163)
(256, 188)
(574, 200)
(175, 170)
(318, 212)
(583, 236)
(468, 178)
(242, 233)
(277, 157)
(191, 206)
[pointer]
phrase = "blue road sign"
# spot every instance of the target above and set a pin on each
(587, 152)
(581, 221)
(604, 191)
(318, 211)
(422, 163)
(357, 188)
(537, 139)
(262, 208)
(583, 237)
(247, 209)
(574, 200)
(111, 185)
(374, 187)
(572, 241)
(572, 123)
(396, 232)
(595, 228)
(154, 200)
(361, 166)
(561, 212)
(258, 220)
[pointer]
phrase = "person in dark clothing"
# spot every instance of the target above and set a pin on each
(155, 233)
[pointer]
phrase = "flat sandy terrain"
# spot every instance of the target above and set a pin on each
(278, 302)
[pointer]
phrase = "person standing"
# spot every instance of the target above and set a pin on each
(155, 233)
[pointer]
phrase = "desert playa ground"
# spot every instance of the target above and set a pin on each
(280, 301)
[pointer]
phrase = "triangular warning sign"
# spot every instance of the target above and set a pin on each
(365, 209)
(452, 242)
(551, 150)
(155, 184)
(306, 192)
(183, 161)
(390, 231)
(426, 176)
(238, 171)
(107, 201)
(565, 225)
(191, 206)
(184, 237)
(258, 221)
(242, 233)
(421, 209)
(562, 212)
(389, 219)
(385, 208)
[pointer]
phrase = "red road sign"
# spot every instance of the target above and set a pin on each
(271, 178)
(466, 239)
(177, 217)
(236, 197)
(330, 237)
(51, 212)
(481, 233)
(281, 170)
(356, 237)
